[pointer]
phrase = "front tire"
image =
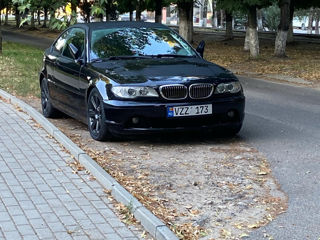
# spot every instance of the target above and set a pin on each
(47, 109)
(96, 117)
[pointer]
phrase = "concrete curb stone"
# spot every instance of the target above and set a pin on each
(150, 222)
(122, 195)
(68, 144)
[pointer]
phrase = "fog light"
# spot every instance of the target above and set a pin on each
(135, 120)
(231, 114)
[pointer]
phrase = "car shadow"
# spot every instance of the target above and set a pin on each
(181, 138)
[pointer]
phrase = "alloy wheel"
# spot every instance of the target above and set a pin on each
(95, 114)
(44, 97)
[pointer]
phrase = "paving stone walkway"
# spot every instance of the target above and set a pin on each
(40, 196)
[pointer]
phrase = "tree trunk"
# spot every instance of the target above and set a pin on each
(282, 34)
(0, 41)
(158, 12)
(317, 22)
(131, 15)
(32, 22)
(7, 14)
(168, 15)
(215, 15)
(108, 13)
(86, 11)
(290, 38)
(221, 18)
(200, 12)
(310, 21)
(246, 41)
(17, 16)
(253, 33)
(185, 10)
(229, 33)
(45, 10)
(259, 18)
(73, 10)
(52, 15)
(38, 17)
(204, 13)
(138, 11)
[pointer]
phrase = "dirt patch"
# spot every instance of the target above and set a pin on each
(201, 187)
(303, 61)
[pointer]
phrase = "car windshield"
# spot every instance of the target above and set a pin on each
(106, 43)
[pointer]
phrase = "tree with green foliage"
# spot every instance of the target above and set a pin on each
(229, 30)
(126, 6)
(287, 8)
(2, 6)
(272, 17)
(5, 4)
(282, 32)
(157, 5)
(105, 8)
(249, 7)
(185, 11)
(28, 9)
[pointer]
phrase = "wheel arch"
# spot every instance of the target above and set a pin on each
(42, 75)
(100, 85)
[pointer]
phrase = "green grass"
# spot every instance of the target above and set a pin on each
(19, 69)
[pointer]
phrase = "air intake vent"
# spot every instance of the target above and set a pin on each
(201, 90)
(174, 92)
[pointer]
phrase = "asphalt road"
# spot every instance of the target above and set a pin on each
(40, 42)
(282, 122)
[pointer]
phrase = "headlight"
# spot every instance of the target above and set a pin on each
(134, 92)
(231, 87)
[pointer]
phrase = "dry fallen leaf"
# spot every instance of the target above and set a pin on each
(253, 226)
(225, 233)
(244, 235)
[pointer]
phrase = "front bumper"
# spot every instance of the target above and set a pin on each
(153, 116)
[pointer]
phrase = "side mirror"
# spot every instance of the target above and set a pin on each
(74, 51)
(200, 48)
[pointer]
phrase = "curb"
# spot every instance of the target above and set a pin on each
(149, 221)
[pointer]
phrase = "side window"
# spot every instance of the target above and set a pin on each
(77, 38)
(61, 42)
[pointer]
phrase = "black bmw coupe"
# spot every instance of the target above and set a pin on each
(124, 78)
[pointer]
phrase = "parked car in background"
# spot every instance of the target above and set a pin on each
(126, 17)
(124, 78)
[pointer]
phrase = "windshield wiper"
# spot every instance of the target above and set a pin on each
(118, 58)
(126, 57)
(98, 60)
(170, 56)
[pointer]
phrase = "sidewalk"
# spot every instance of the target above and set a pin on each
(40, 196)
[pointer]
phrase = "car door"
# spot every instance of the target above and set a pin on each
(51, 59)
(67, 71)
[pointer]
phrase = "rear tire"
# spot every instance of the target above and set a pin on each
(47, 109)
(96, 117)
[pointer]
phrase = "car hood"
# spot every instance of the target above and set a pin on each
(156, 71)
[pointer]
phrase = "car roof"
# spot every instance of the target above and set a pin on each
(120, 24)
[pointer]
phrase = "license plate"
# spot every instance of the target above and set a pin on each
(193, 110)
